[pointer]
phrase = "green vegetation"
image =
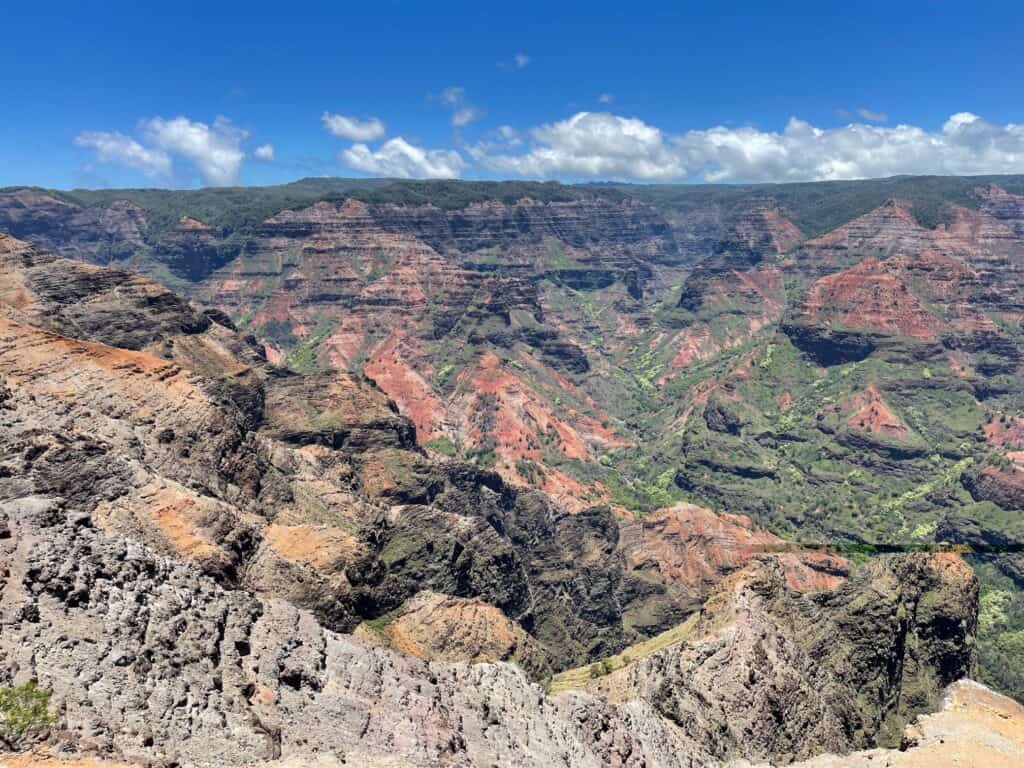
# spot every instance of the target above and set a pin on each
(23, 708)
(577, 678)
(818, 207)
(443, 445)
(749, 425)
(1000, 631)
(305, 358)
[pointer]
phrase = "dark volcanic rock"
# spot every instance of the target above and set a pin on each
(827, 346)
(75, 299)
(822, 672)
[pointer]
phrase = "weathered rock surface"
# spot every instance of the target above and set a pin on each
(796, 674)
(153, 662)
(975, 727)
(310, 488)
(692, 549)
(436, 627)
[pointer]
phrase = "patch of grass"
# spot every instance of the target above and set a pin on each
(443, 445)
(305, 358)
(577, 678)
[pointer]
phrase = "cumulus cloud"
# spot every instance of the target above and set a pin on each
(462, 113)
(609, 146)
(124, 150)
(966, 144)
(214, 151)
(398, 158)
(521, 60)
(264, 152)
(351, 128)
(592, 144)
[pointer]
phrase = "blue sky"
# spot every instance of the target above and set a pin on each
(183, 94)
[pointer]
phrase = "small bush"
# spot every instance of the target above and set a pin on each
(23, 708)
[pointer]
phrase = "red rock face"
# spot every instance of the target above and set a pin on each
(872, 414)
(980, 241)
(1005, 433)
(907, 282)
(767, 229)
(446, 313)
(694, 548)
(870, 296)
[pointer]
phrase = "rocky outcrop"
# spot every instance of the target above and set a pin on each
(333, 409)
(151, 662)
(75, 299)
(437, 627)
(96, 234)
(795, 675)
(693, 549)
(1002, 486)
(974, 727)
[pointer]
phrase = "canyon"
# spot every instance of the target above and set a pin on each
(518, 474)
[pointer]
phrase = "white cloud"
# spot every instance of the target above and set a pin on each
(216, 151)
(609, 146)
(124, 150)
(351, 128)
(605, 98)
(398, 158)
(463, 116)
(462, 113)
(593, 144)
(521, 60)
(264, 152)
(965, 145)
(509, 135)
(872, 116)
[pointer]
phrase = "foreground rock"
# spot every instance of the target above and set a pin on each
(771, 671)
(150, 661)
(975, 727)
